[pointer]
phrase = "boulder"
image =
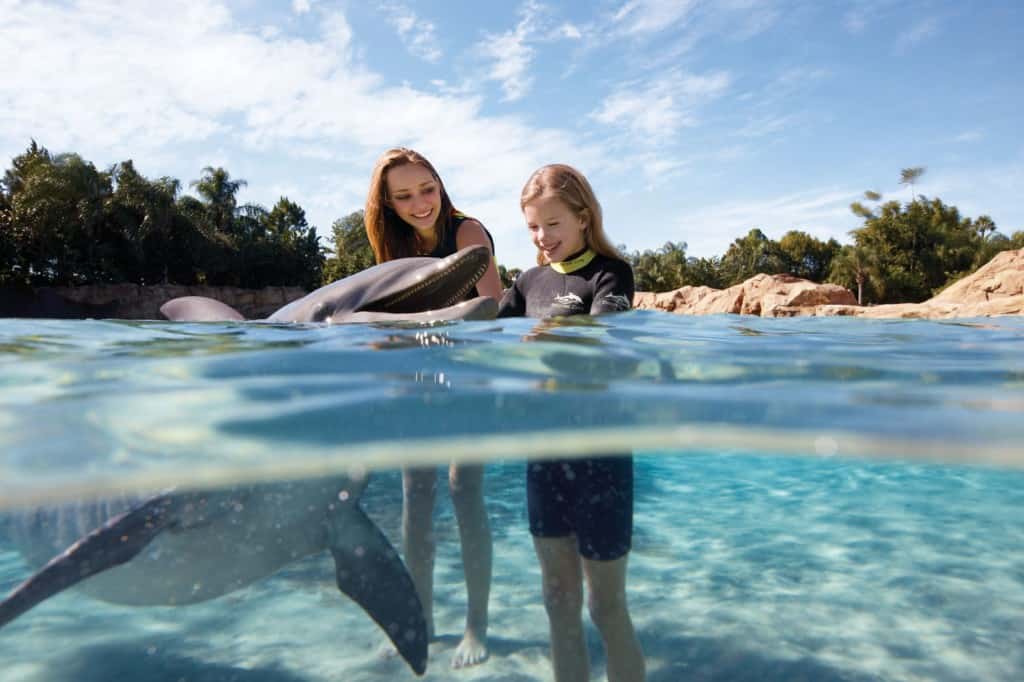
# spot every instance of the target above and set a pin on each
(997, 288)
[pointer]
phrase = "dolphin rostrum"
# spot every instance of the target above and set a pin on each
(181, 548)
(406, 289)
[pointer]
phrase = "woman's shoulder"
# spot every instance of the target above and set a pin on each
(469, 231)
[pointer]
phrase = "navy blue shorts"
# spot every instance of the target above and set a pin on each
(591, 498)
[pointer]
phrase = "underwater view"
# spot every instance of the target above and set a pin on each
(815, 498)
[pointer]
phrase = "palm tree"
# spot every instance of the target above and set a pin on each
(219, 190)
(908, 176)
(857, 263)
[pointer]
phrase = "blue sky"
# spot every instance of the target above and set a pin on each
(695, 121)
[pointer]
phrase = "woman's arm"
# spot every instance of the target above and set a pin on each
(472, 232)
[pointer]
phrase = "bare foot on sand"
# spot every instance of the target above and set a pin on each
(471, 651)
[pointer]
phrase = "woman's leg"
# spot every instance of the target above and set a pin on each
(466, 483)
(419, 487)
(563, 600)
(606, 585)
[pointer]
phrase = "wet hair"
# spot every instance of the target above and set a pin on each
(571, 188)
(389, 235)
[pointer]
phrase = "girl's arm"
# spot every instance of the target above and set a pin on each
(513, 303)
(614, 291)
(472, 232)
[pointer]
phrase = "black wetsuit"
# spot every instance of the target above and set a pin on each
(592, 497)
(447, 244)
(603, 285)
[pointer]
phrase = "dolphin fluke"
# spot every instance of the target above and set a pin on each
(370, 573)
(113, 544)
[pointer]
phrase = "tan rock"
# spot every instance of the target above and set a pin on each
(764, 295)
(997, 288)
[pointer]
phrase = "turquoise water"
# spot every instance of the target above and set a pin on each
(817, 499)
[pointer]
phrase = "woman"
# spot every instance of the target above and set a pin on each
(408, 213)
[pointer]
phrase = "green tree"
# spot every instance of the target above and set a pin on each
(219, 193)
(750, 255)
(54, 208)
(508, 275)
(908, 176)
(704, 272)
(806, 256)
(661, 270)
(352, 251)
(919, 246)
(855, 266)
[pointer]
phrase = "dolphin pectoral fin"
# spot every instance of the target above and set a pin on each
(114, 543)
(370, 572)
(199, 309)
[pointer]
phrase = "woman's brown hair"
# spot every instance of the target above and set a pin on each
(572, 189)
(390, 236)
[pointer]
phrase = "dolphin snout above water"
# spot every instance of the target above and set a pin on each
(406, 289)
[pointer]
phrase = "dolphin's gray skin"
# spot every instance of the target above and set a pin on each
(407, 289)
(181, 548)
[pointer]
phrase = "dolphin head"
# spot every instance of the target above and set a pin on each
(406, 288)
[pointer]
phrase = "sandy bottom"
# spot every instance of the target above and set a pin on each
(744, 568)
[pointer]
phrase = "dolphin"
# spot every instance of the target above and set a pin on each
(178, 548)
(406, 289)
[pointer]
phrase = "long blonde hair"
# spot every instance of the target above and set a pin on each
(571, 188)
(390, 236)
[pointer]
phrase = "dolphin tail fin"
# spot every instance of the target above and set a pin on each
(114, 543)
(370, 572)
(199, 309)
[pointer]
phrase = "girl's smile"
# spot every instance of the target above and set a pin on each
(556, 231)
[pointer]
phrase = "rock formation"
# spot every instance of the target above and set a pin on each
(997, 288)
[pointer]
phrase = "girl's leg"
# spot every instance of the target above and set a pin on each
(418, 491)
(563, 600)
(466, 483)
(606, 584)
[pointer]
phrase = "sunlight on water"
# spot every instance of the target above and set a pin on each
(816, 499)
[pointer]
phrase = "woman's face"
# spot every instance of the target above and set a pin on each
(415, 195)
(556, 231)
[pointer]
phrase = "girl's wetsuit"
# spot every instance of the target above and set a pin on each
(590, 497)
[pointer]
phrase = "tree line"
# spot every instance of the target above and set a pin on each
(65, 222)
(903, 252)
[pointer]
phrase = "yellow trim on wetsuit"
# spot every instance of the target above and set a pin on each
(573, 264)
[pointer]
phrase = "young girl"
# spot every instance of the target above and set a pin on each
(408, 213)
(581, 510)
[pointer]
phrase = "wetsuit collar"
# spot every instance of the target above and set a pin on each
(577, 262)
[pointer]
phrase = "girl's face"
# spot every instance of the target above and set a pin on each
(556, 231)
(415, 195)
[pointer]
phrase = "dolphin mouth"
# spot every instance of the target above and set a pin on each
(447, 283)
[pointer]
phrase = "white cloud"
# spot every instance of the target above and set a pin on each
(419, 35)
(855, 21)
(969, 136)
(300, 6)
(916, 34)
(570, 31)
(655, 110)
(638, 17)
(180, 88)
(511, 55)
(770, 125)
